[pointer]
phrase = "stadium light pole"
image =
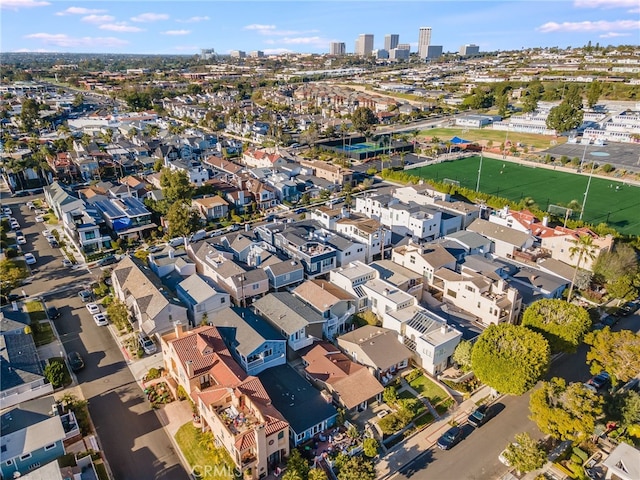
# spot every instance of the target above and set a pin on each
(584, 153)
(593, 166)
(479, 170)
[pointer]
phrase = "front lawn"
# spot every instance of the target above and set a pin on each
(428, 389)
(42, 333)
(211, 463)
(35, 309)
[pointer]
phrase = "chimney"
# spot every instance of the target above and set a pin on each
(171, 253)
(545, 221)
(177, 329)
(444, 328)
(188, 365)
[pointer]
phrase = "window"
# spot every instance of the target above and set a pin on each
(280, 434)
(49, 447)
(9, 462)
(412, 259)
(299, 436)
(223, 300)
(256, 286)
(451, 293)
(26, 456)
(470, 289)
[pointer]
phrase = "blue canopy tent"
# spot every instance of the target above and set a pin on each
(459, 141)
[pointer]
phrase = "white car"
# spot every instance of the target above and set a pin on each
(21, 240)
(51, 238)
(6, 211)
(39, 219)
(93, 308)
(14, 225)
(101, 319)
(30, 205)
(67, 263)
(46, 233)
(29, 258)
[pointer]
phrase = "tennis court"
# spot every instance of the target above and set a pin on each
(608, 201)
(362, 147)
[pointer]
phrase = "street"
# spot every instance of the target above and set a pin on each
(476, 457)
(135, 444)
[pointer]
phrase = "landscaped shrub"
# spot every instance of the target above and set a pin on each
(608, 168)
(412, 375)
(153, 373)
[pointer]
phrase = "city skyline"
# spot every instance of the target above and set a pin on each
(170, 27)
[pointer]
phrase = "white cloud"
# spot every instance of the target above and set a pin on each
(588, 26)
(276, 51)
(64, 40)
(80, 11)
(194, 19)
(150, 17)
(259, 27)
(18, 4)
(606, 4)
(272, 30)
(98, 18)
(120, 27)
(177, 32)
(614, 35)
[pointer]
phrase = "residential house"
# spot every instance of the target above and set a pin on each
(33, 434)
(21, 373)
(424, 259)
(351, 277)
(367, 231)
(150, 304)
(300, 243)
(304, 408)
(284, 274)
(506, 241)
(292, 317)
(331, 302)
(224, 169)
(193, 169)
(252, 341)
(464, 214)
(352, 386)
(335, 174)
(170, 260)
(347, 250)
(254, 158)
(126, 217)
(384, 297)
(559, 242)
(263, 194)
(398, 276)
(328, 215)
(426, 334)
(60, 201)
(473, 243)
(202, 297)
(377, 348)
(523, 220)
(234, 406)
(87, 230)
(243, 284)
(212, 208)
(623, 463)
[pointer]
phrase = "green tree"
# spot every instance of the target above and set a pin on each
(563, 324)
(78, 100)
(370, 447)
(630, 408)
(525, 454)
(11, 274)
(617, 353)
(363, 119)
(175, 185)
(616, 263)
(462, 354)
(297, 466)
(510, 358)
(29, 114)
(317, 474)
(531, 97)
(593, 93)
(584, 249)
(182, 219)
(55, 374)
(390, 395)
(625, 287)
(357, 468)
(502, 102)
(566, 412)
(118, 314)
(564, 117)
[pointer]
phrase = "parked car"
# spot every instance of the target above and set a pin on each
(39, 219)
(108, 260)
(53, 313)
(21, 240)
(599, 382)
(46, 233)
(93, 308)
(75, 361)
(29, 258)
(629, 308)
(101, 319)
(609, 320)
(67, 263)
(480, 416)
(6, 210)
(146, 344)
(54, 243)
(450, 438)
(85, 295)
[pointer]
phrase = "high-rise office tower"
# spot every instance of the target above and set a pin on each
(391, 41)
(424, 40)
(469, 50)
(364, 44)
(337, 48)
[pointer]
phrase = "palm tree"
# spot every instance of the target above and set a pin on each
(584, 248)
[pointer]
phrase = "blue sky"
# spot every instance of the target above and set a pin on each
(184, 27)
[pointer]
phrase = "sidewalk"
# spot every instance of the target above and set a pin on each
(406, 451)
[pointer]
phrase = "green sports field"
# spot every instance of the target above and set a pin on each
(609, 201)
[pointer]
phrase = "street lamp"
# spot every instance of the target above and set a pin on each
(479, 170)
(593, 165)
